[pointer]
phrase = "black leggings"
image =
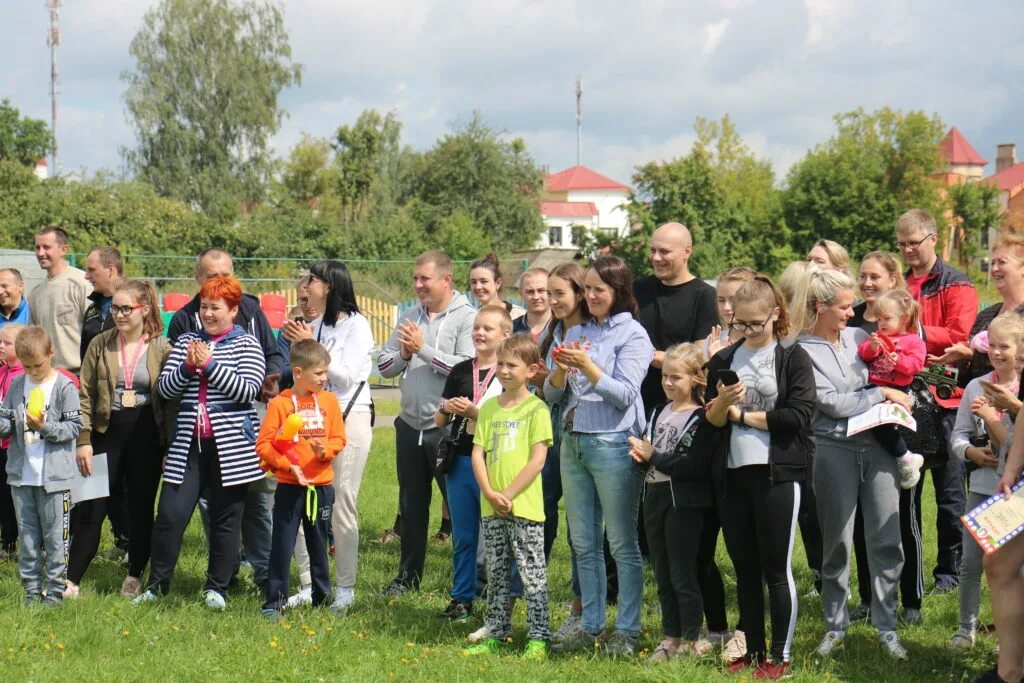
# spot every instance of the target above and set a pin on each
(178, 503)
(673, 538)
(134, 457)
(712, 588)
(759, 520)
(8, 520)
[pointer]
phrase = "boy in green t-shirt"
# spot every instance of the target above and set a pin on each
(511, 442)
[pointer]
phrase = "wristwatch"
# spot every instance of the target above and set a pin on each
(743, 418)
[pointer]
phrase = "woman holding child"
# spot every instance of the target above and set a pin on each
(605, 360)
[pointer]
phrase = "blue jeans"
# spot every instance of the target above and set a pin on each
(464, 507)
(602, 493)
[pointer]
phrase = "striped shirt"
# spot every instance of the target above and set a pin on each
(622, 350)
(235, 376)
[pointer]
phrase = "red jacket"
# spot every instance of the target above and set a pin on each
(882, 371)
(949, 305)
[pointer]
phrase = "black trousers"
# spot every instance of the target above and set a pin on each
(178, 503)
(416, 453)
(8, 520)
(119, 514)
(759, 521)
(950, 499)
(289, 512)
(712, 588)
(673, 538)
(134, 458)
(810, 529)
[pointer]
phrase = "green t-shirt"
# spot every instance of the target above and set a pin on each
(507, 434)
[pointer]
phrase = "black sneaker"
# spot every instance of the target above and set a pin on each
(33, 599)
(460, 612)
(396, 589)
(50, 600)
(446, 613)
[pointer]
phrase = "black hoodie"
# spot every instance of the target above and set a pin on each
(250, 318)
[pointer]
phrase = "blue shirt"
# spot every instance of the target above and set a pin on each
(18, 315)
(622, 350)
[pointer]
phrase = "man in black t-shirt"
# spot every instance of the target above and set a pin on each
(675, 305)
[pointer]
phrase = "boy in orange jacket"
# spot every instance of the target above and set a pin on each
(302, 465)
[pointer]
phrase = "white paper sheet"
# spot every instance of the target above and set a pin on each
(96, 485)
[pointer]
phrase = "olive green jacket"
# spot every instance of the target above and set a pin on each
(99, 382)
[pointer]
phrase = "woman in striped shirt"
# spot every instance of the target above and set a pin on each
(216, 373)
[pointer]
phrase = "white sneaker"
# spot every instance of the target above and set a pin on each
(962, 640)
(214, 600)
(71, 591)
(910, 473)
(832, 641)
(479, 635)
(147, 596)
(343, 599)
(891, 642)
(735, 648)
(303, 597)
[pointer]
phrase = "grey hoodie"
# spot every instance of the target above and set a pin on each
(447, 340)
(840, 378)
(60, 433)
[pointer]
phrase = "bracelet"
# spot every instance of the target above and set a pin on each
(743, 418)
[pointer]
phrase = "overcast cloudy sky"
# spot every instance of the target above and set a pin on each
(780, 68)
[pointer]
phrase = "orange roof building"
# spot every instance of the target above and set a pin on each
(580, 198)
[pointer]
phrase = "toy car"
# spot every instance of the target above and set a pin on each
(942, 377)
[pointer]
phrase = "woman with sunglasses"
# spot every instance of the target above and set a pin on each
(124, 417)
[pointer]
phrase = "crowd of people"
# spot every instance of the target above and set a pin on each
(662, 409)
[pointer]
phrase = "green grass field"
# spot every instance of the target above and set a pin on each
(103, 637)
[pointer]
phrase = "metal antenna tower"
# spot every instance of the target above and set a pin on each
(53, 40)
(579, 119)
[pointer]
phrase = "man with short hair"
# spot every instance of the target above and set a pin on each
(104, 269)
(256, 519)
(58, 304)
(13, 304)
(949, 305)
(429, 340)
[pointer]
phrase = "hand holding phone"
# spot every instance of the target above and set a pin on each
(728, 377)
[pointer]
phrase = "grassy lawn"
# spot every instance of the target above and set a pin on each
(103, 637)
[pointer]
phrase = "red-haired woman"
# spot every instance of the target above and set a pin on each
(216, 373)
(123, 416)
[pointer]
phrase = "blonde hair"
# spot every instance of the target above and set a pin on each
(763, 291)
(740, 274)
(692, 358)
(914, 220)
(791, 276)
(500, 311)
(837, 254)
(1011, 240)
(10, 328)
(1011, 323)
(891, 263)
(817, 286)
(900, 302)
(31, 342)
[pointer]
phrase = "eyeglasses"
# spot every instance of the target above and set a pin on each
(124, 311)
(753, 328)
(906, 246)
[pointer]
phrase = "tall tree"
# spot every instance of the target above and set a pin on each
(22, 139)
(203, 98)
(364, 153)
(852, 188)
(492, 181)
(975, 209)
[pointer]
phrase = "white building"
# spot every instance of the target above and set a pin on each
(581, 199)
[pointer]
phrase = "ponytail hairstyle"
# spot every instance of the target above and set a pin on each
(574, 274)
(817, 286)
(490, 262)
(900, 302)
(692, 358)
(144, 295)
(763, 291)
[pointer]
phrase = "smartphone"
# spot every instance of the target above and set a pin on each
(728, 377)
(986, 385)
(299, 319)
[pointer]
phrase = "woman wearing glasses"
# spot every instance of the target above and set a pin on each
(762, 466)
(125, 418)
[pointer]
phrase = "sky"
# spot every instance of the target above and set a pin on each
(781, 69)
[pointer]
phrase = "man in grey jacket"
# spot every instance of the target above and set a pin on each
(428, 341)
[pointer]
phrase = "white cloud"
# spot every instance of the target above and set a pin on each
(713, 34)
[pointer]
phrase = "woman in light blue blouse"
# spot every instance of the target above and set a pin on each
(604, 361)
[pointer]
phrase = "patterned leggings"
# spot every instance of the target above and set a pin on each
(508, 541)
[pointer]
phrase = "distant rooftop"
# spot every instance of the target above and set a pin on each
(581, 178)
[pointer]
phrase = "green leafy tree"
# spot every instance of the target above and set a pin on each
(203, 99)
(853, 187)
(975, 208)
(22, 139)
(491, 180)
(364, 155)
(307, 174)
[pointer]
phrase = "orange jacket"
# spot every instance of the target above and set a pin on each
(327, 426)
